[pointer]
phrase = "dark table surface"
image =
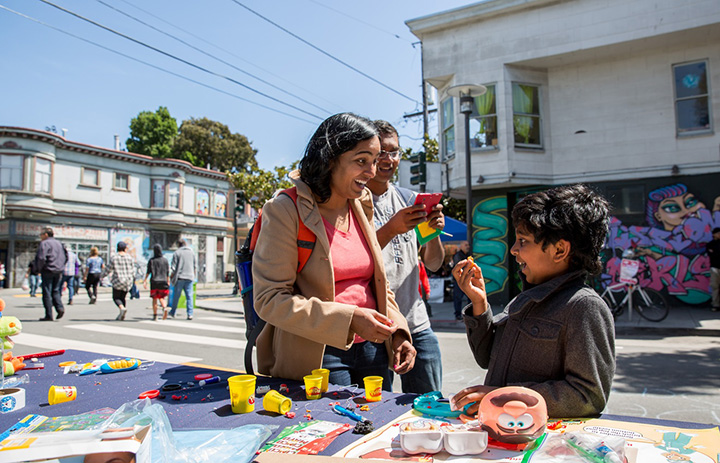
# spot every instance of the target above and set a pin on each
(206, 407)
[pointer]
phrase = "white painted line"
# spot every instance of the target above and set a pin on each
(53, 343)
(195, 326)
(161, 335)
(234, 319)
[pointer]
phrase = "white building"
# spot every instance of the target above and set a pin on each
(94, 196)
(622, 95)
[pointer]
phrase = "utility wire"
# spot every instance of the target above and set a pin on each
(208, 54)
(229, 52)
(153, 66)
(321, 51)
(359, 20)
(169, 55)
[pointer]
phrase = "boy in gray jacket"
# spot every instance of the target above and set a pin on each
(557, 336)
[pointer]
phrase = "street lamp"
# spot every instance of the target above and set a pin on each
(467, 94)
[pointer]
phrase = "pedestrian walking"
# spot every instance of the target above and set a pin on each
(94, 265)
(33, 276)
(50, 260)
(713, 250)
(158, 269)
(122, 273)
(182, 275)
(69, 271)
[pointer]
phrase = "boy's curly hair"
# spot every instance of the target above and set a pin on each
(574, 213)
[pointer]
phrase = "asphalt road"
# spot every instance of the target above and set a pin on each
(667, 377)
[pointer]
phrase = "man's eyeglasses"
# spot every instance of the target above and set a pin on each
(389, 154)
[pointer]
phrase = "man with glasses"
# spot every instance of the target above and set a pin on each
(50, 260)
(395, 218)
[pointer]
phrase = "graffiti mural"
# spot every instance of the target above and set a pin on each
(671, 248)
(489, 241)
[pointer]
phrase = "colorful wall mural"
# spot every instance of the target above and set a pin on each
(220, 204)
(671, 247)
(489, 241)
(202, 204)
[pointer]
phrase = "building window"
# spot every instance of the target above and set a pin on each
(627, 199)
(526, 115)
(692, 102)
(447, 121)
(11, 172)
(121, 182)
(43, 172)
(90, 177)
(158, 193)
(202, 202)
(220, 204)
(173, 195)
(483, 120)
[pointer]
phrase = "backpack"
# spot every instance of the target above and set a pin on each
(305, 244)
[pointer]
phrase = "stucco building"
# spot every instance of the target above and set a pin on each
(93, 196)
(624, 96)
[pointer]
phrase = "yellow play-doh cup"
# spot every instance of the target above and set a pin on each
(242, 393)
(373, 388)
(276, 402)
(325, 373)
(59, 394)
(313, 386)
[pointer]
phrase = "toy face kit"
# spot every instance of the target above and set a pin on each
(513, 415)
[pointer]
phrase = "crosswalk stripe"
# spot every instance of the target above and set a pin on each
(196, 326)
(116, 330)
(53, 343)
(238, 319)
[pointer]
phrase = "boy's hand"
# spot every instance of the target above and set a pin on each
(470, 280)
(403, 355)
(406, 219)
(436, 219)
(469, 395)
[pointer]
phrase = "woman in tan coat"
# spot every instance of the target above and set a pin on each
(337, 312)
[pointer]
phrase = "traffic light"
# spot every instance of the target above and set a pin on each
(417, 169)
(239, 202)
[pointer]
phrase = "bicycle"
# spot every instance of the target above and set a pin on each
(650, 304)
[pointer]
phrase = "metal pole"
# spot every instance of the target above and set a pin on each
(468, 179)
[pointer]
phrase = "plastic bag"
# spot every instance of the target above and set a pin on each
(580, 447)
(25, 285)
(196, 446)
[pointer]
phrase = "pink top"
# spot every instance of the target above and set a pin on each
(353, 265)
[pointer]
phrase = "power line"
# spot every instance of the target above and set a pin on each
(322, 51)
(154, 66)
(169, 55)
(360, 20)
(209, 54)
(229, 53)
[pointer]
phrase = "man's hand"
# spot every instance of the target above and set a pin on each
(403, 355)
(436, 218)
(406, 219)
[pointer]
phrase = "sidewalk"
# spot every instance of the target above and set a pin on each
(682, 320)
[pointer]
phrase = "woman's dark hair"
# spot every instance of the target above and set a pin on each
(336, 135)
(573, 213)
(157, 250)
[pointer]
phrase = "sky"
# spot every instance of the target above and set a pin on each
(231, 56)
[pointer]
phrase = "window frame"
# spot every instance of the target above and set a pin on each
(82, 177)
(450, 128)
(680, 133)
(117, 175)
(537, 116)
(21, 176)
(166, 194)
(49, 175)
(475, 117)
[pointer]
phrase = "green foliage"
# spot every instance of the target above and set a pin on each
(430, 148)
(258, 185)
(205, 142)
(454, 208)
(153, 133)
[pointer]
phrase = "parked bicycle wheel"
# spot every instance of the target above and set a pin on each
(615, 307)
(650, 304)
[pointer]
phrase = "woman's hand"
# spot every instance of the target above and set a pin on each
(371, 325)
(472, 395)
(470, 280)
(403, 355)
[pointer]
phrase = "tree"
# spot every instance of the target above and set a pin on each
(258, 185)
(153, 133)
(204, 142)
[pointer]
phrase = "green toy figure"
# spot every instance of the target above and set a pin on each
(9, 326)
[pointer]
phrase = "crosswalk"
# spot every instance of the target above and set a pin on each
(211, 339)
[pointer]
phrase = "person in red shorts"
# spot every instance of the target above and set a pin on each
(158, 269)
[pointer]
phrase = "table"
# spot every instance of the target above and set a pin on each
(206, 407)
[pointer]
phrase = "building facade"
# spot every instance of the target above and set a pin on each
(623, 96)
(94, 196)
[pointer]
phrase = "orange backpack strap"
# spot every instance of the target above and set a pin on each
(306, 239)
